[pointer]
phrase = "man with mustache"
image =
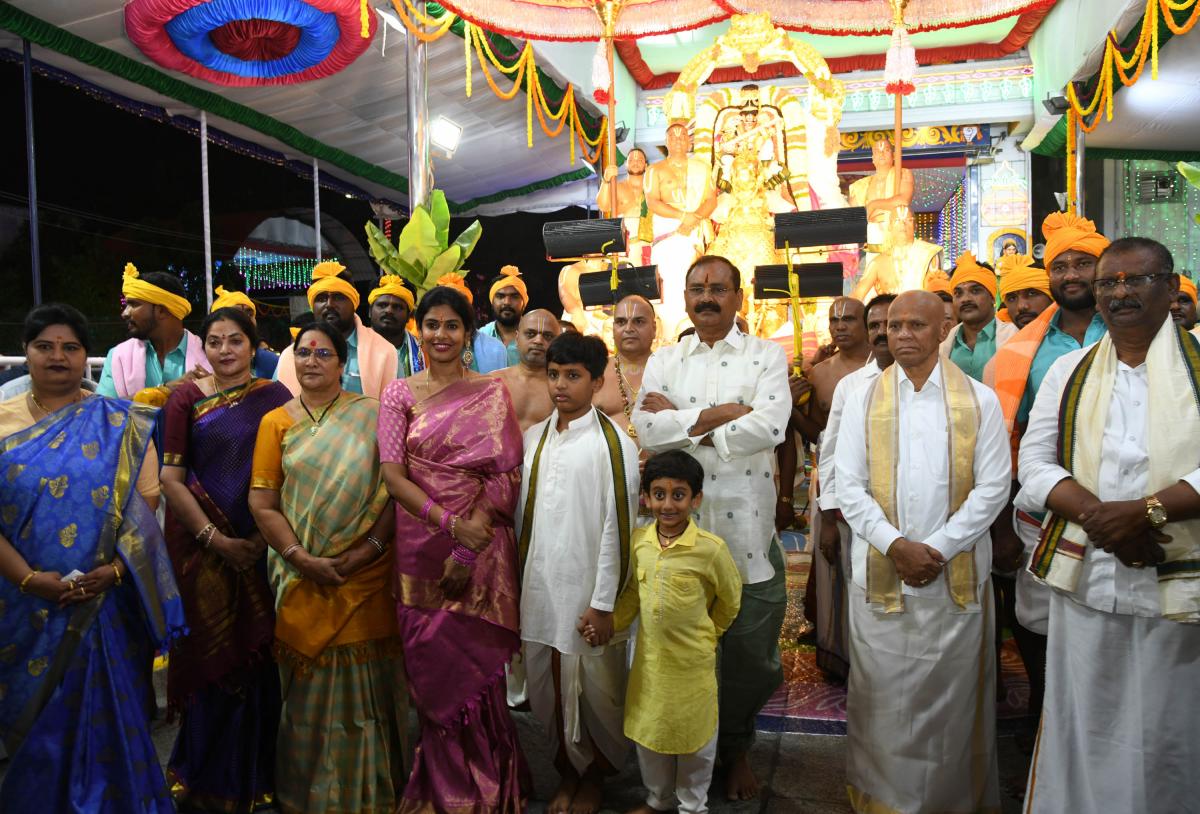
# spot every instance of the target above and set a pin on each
(1024, 289)
(392, 305)
(526, 380)
(1016, 372)
(972, 343)
(159, 351)
(508, 296)
(824, 593)
(922, 471)
(1119, 551)
(723, 397)
(372, 360)
(1183, 307)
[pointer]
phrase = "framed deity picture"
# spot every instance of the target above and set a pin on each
(1007, 241)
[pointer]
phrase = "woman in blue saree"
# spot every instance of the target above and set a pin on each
(221, 676)
(75, 699)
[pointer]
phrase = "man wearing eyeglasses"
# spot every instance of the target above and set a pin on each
(723, 397)
(1073, 247)
(1111, 452)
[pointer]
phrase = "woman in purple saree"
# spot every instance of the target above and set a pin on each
(451, 452)
(221, 677)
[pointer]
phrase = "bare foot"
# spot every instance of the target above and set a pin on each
(740, 782)
(560, 803)
(588, 796)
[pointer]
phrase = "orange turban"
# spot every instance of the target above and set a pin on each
(325, 278)
(231, 299)
(456, 282)
(1187, 287)
(937, 281)
(968, 270)
(510, 276)
(394, 286)
(1065, 232)
(1018, 274)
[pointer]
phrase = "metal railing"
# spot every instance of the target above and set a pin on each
(95, 364)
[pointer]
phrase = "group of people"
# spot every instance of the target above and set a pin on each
(416, 517)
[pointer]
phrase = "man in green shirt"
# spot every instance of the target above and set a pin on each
(973, 342)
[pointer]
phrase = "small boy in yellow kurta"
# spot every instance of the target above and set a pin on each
(687, 591)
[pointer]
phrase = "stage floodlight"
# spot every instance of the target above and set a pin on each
(595, 287)
(572, 239)
(823, 227)
(815, 280)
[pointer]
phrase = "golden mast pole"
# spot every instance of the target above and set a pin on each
(898, 7)
(608, 11)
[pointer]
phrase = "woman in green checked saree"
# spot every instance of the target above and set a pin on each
(318, 498)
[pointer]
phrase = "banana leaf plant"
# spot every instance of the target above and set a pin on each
(1192, 173)
(423, 253)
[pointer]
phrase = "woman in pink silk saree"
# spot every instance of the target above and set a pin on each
(456, 452)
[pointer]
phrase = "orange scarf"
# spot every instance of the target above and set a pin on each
(1008, 371)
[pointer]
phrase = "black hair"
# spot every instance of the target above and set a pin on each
(303, 319)
(944, 296)
(335, 336)
(1162, 255)
(235, 315)
(675, 464)
(718, 259)
(166, 281)
(56, 313)
(576, 349)
(452, 297)
(879, 299)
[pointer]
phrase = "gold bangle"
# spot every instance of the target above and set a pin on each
(29, 576)
(116, 571)
(784, 499)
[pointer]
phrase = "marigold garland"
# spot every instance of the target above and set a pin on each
(522, 70)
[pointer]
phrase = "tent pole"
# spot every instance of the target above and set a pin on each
(420, 171)
(317, 205)
(208, 264)
(31, 167)
(1080, 138)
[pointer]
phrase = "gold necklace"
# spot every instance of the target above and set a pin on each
(627, 399)
(34, 399)
(223, 395)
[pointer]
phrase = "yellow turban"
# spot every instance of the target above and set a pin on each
(968, 270)
(458, 284)
(393, 285)
(510, 276)
(1187, 287)
(325, 278)
(1064, 232)
(1018, 274)
(231, 299)
(937, 281)
(134, 288)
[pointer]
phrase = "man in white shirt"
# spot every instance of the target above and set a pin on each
(833, 540)
(1121, 549)
(579, 496)
(922, 470)
(723, 397)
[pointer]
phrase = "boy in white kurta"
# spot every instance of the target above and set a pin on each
(578, 501)
(686, 591)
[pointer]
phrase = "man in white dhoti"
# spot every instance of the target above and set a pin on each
(922, 470)
(1111, 452)
(723, 397)
(579, 497)
(833, 535)
(681, 195)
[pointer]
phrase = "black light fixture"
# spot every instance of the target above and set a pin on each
(1055, 105)
(813, 280)
(823, 227)
(595, 287)
(570, 240)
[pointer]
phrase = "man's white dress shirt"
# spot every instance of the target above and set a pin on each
(851, 387)
(923, 480)
(574, 554)
(1105, 583)
(739, 469)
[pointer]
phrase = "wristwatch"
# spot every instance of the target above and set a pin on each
(1156, 513)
